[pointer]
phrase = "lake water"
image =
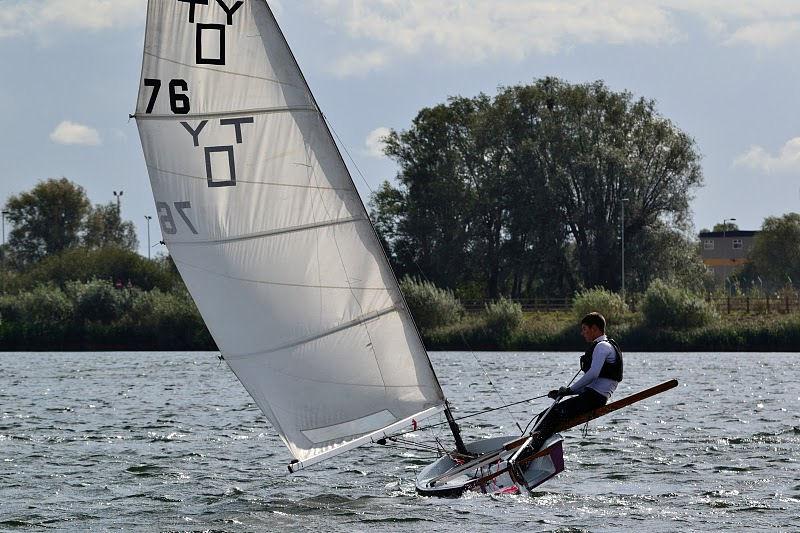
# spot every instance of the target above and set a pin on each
(171, 442)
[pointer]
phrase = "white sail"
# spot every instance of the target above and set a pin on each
(261, 216)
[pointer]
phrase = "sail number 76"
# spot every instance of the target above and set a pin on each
(168, 224)
(178, 101)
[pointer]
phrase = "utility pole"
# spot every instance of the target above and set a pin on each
(118, 196)
(622, 202)
(148, 218)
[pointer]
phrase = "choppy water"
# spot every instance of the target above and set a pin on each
(160, 441)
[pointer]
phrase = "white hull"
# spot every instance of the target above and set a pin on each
(448, 478)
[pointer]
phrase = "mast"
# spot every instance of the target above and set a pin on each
(455, 429)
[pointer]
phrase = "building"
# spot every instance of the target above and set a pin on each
(723, 252)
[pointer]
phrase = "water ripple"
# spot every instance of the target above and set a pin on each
(171, 442)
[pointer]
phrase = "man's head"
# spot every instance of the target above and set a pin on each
(593, 325)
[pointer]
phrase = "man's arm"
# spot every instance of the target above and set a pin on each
(601, 351)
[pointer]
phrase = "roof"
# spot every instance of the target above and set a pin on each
(728, 234)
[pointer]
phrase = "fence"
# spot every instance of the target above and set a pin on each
(528, 305)
(766, 304)
(781, 303)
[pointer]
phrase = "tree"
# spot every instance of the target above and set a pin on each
(668, 254)
(600, 147)
(104, 228)
(776, 251)
(46, 220)
(427, 223)
(726, 226)
(521, 194)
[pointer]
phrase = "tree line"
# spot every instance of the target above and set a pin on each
(521, 194)
(56, 215)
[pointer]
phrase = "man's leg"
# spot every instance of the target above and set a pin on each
(586, 401)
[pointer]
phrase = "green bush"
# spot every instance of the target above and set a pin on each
(431, 306)
(672, 307)
(502, 319)
(166, 320)
(43, 312)
(607, 303)
(98, 300)
(112, 264)
(45, 305)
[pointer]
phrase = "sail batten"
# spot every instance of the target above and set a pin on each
(342, 327)
(232, 113)
(249, 182)
(267, 229)
(272, 233)
(229, 72)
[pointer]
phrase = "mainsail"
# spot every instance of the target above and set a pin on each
(261, 216)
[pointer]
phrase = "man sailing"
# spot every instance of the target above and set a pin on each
(602, 372)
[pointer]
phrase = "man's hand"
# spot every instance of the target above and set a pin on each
(563, 391)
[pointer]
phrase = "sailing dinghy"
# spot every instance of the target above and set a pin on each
(261, 216)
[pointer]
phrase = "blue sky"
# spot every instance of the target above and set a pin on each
(723, 71)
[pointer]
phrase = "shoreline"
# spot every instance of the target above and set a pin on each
(539, 332)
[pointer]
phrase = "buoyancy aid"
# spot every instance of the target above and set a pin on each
(611, 371)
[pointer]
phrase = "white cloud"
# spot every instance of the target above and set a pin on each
(474, 31)
(767, 34)
(22, 17)
(376, 142)
(71, 133)
(480, 30)
(758, 158)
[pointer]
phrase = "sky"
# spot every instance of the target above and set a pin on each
(724, 71)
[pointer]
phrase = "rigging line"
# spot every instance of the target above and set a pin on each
(477, 360)
(419, 445)
(430, 426)
(491, 381)
(349, 156)
(537, 417)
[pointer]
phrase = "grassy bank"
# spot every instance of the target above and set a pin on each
(97, 315)
(559, 331)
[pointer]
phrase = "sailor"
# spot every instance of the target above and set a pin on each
(602, 372)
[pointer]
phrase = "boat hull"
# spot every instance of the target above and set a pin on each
(450, 479)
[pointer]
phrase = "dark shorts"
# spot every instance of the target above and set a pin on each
(587, 401)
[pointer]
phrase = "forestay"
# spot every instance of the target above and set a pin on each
(261, 216)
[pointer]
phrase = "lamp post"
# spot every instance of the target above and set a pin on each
(724, 231)
(118, 196)
(148, 218)
(5, 214)
(725, 225)
(622, 202)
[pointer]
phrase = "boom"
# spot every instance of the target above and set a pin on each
(607, 409)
